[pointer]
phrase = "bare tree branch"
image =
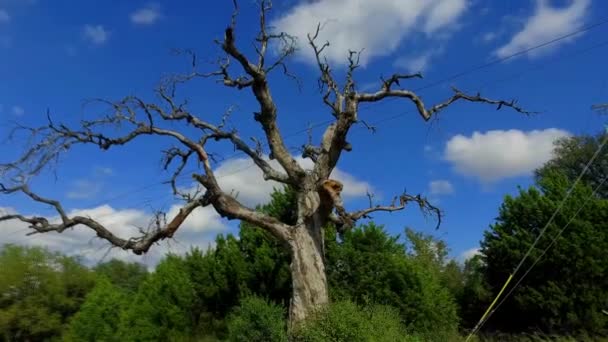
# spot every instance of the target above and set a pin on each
(327, 81)
(425, 113)
(346, 220)
(184, 156)
(138, 245)
(387, 84)
(267, 116)
(144, 119)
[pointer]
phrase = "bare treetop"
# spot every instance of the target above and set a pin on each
(318, 196)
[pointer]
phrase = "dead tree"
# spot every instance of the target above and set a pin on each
(318, 197)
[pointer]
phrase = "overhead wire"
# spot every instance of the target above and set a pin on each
(540, 235)
(553, 242)
(424, 87)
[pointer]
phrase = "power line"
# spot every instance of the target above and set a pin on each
(542, 232)
(513, 76)
(513, 55)
(424, 87)
(553, 241)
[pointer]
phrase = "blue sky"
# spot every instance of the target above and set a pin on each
(56, 54)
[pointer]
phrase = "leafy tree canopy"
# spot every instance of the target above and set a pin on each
(566, 291)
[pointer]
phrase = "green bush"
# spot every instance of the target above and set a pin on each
(257, 320)
(346, 321)
(99, 316)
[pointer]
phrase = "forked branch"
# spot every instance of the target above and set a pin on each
(427, 113)
(267, 115)
(345, 220)
(138, 245)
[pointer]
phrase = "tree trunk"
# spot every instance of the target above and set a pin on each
(307, 271)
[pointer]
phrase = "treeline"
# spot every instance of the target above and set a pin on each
(383, 287)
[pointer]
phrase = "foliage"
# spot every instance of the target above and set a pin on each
(99, 316)
(39, 292)
(257, 320)
(371, 267)
(349, 322)
(127, 276)
(571, 156)
(475, 294)
(382, 286)
(161, 309)
(566, 291)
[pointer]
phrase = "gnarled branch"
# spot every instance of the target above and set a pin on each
(138, 245)
(427, 113)
(267, 116)
(345, 220)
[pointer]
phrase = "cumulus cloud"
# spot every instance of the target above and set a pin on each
(547, 23)
(146, 15)
(96, 34)
(377, 26)
(413, 64)
(83, 189)
(469, 253)
(247, 183)
(440, 187)
(499, 154)
(198, 230)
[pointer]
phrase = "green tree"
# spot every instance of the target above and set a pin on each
(566, 291)
(125, 275)
(371, 267)
(475, 294)
(39, 292)
(571, 156)
(252, 264)
(162, 307)
(257, 320)
(99, 317)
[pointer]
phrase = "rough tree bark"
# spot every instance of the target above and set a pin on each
(319, 200)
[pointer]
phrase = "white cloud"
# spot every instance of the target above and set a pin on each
(200, 220)
(96, 34)
(414, 64)
(547, 23)
(4, 16)
(440, 187)
(83, 189)
(377, 26)
(198, 230)
(251, 188)
(147, 15)
(469, 253)
(499, 154)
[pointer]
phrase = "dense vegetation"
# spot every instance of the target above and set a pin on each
(383, 287)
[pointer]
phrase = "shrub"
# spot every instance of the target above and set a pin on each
(257, 319)
(346, 321)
